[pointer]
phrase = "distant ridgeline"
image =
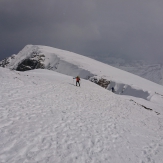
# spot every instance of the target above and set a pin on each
(144, 69)
(31, 57)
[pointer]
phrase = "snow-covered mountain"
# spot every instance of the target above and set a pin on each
(147, 70)
(68, 63)
(144, 69)
(44, 117)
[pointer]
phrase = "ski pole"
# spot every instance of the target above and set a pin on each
(73, 80)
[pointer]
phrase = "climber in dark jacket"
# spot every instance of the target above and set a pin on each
(112, 89)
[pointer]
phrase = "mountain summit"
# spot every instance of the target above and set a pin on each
(72, 64)
(44, 117)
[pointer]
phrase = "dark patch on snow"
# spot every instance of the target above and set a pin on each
(101, 82)
(157, 113)
(4, 62)
(144, 107)
(158, 94)
(29, 64)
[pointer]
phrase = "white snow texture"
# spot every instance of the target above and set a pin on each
(45, 118)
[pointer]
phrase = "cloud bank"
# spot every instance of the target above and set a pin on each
(120, 28)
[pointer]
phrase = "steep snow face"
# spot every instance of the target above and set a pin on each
(150, 71)
(74, 64)
(49, 58)
(44, 117)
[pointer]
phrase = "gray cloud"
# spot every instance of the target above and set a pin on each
(123, 28)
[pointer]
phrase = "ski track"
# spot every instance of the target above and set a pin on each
(57, 122)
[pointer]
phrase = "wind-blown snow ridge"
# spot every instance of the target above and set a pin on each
(74, 64)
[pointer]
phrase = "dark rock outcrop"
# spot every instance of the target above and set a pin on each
(29, 64)
(101, 82)
(4, 62)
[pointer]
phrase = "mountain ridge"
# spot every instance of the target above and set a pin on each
(72, 64)
(148, 70)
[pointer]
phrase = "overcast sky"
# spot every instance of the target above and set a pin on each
(101, 28)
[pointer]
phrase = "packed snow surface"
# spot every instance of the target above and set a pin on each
(45, 118)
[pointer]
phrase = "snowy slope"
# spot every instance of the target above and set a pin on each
(45, 118)
(147, 70)
(74, 64)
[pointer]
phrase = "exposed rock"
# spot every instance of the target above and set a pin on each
(29, 64)
(4, 62)
(101, 82)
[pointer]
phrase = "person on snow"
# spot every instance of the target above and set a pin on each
(77, 80)
(112, 89)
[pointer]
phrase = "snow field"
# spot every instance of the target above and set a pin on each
(45, 118)
(73, 64)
